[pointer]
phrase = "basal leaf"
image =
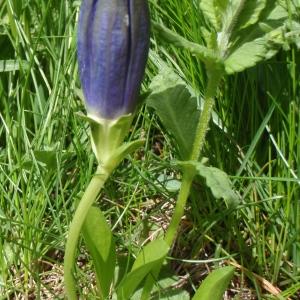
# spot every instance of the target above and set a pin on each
(150, 256)
(215, 284)
(166, 290)
(176, 108)
(100, 243)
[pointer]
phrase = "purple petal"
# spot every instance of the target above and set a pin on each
(113, 41)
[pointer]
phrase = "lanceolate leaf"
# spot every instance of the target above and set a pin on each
(215, 284)
(101, 245)
(151, 255)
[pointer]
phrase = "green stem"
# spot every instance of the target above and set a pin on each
(86, 202)
(205, 116)
(188, 175)
(184, 192)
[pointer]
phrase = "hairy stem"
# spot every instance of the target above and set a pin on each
(188, 175)
(187, 179)
(86, 202)
(205, 116)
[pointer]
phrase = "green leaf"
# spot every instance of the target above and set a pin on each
(247, 55)
(167, 35)
(257, 42)
(216, 179)
(251, 13)
(100, 243)
(227, 17)
(213, 10)
(215, 284)
(242, 34)
(294, 35)
(169, 183)
(208, 9)
(165, 289)
(150, 256)
(219, 183)
(176, 108)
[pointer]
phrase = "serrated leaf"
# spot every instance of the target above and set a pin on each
(258, 42)
(167, 35)
(246, 56)
(242, 34)
(219, 183)
(250, 13)
(150, 256)
(251, 32)
(216, 179)
(176, 108)
(208, 9)
(215, 284)
(101, 245)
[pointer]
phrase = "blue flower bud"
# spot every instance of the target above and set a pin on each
(113, 42)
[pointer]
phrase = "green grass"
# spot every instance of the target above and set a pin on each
(46, 161)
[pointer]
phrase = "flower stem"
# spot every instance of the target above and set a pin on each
(187, 178)
(184, 192)
(188, 175)
(86, 202)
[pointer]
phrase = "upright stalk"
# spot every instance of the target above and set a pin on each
(187, 178)
(188, 175)
(86, 202)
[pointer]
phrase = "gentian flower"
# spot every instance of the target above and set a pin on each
(113, 42)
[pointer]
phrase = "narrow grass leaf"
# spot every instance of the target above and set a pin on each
(13, 65)
(215, 284)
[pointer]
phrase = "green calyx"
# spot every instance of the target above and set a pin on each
(107, 138)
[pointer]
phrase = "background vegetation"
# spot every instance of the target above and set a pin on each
(46, 161)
